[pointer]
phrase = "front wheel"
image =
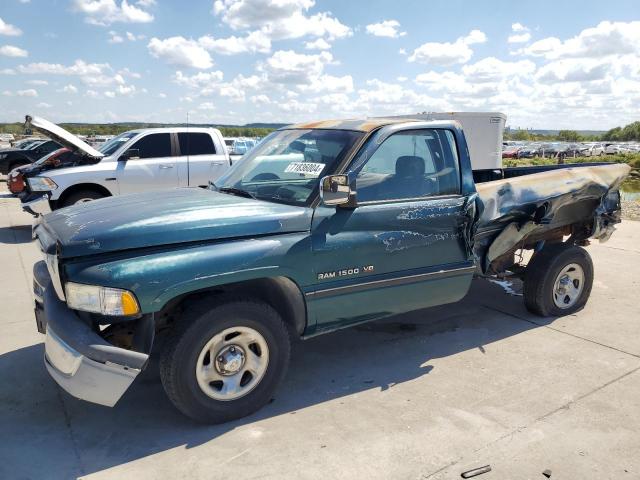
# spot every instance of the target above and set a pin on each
(225, 359)
(558, 280)
(82, 196)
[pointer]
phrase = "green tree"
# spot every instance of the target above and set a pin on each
(569, 136)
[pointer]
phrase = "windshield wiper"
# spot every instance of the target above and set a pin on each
(237, 191)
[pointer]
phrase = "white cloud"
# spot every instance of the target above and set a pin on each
(29, 92)
(133, 37)
(573, 70)
(70, 89)
(254, 42)
(180, 51)
(37, 82)
(521, 34)
(280, 19)
(206, 106)
(289, 67)
(519, 38)
(260, 100)
(162, 95)
(44, 105)
(115, 37)
(11, 51)
(106, 12)
(94, 75)
(329, 83)
(198, 80)
(8, 29)
(386, 28)
(7, 71)
(448, 53)
(607, 38)
(79, 67)
(319, 44)
(491, 69)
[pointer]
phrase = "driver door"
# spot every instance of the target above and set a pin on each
(403, 247)
(154, 168)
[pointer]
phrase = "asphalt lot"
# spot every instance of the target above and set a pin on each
(425, 395)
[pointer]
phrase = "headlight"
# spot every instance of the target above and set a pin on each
(42, 184)
(103, 300)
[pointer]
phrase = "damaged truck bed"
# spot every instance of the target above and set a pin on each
(321, 226)
(580, 201)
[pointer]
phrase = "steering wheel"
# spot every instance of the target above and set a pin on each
(265, 176)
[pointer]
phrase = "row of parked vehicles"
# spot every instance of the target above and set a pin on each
(561, 150)
(134, 161)
(321, 226)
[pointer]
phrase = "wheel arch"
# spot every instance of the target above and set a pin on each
(280, 292)
(96, 187)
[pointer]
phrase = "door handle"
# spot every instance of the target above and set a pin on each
(217, 163)
(164, 166)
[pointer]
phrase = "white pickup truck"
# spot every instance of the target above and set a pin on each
(134, 161)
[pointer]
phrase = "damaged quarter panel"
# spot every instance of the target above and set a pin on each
(516, 208)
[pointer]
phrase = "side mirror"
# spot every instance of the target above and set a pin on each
(131, 154)
(335, 190)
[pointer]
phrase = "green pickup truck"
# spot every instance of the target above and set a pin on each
(322, 226)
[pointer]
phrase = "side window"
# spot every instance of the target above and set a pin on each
(48, 147)
(154, 146)
(411, 164)
(192, 143)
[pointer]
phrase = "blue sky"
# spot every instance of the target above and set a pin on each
(546, 65)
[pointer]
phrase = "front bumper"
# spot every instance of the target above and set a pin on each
(37, 206)
(77, 358)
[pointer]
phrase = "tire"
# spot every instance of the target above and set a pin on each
(81, 197)
(182, 360)
(562, 263)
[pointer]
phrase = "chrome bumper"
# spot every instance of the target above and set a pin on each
(37, 207)
(86, 379)
(77, 358)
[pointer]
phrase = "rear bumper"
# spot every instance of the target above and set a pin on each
(77, 358)
(37, 206)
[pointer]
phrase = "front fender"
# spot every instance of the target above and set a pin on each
(157, 277)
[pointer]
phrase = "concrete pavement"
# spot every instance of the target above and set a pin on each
(425, 395)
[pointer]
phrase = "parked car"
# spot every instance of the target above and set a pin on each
(593, 150)
(24, 143)
(6, 139)
(386, 220)
(11, 158)
(616, 149)
(529, 151)
(511, 151)
(135, 161)
(63, 157)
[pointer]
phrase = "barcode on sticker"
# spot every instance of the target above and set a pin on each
(307, 168)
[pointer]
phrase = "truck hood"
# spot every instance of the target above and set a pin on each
(61, 136)
(154, 219)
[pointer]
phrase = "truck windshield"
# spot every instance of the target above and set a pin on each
(115, 143)
(287, 165)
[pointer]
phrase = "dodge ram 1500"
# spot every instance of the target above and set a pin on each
(322, 226)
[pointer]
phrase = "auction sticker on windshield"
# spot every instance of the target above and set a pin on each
(307, 168)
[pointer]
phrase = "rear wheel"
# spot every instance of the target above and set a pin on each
(225, 359)
(82, 196)
(558, 280)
